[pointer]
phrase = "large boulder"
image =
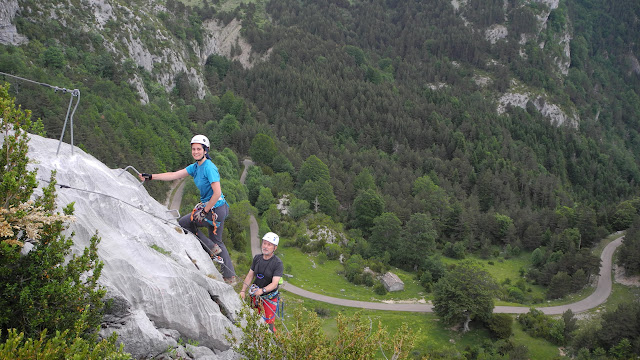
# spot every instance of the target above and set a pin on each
(392, 282)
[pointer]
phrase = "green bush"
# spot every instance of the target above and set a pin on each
(46, 288)
(333, 251)
(356, 338)
(302, 240)
(380, 289)
(367, 279)
(500, 325)
(62, 346)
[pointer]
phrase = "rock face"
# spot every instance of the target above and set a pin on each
(163, 285)
(8, 32)
(142, 38)
(392, 282)
(557, 116)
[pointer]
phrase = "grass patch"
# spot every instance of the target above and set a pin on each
(538, 348)
(507, 270)
(621, 294)
(431, 335)
(160, 250)
(324, 278)
(432, 338)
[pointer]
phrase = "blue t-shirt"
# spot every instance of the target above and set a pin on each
(203, 176)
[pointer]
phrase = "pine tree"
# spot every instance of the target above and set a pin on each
(43, 290)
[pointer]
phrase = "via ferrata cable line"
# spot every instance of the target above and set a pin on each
(75, 93)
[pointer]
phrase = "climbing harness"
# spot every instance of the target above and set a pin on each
(271, 298)
(211, 218)
(75, 93)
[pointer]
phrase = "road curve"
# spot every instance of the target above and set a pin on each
(599, 296)
(174, 196)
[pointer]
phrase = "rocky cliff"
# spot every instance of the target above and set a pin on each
(133, 31)
(164, 287)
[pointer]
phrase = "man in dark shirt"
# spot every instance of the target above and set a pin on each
(264, 275)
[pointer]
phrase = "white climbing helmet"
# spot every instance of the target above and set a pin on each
(200, 139)
(272, 238)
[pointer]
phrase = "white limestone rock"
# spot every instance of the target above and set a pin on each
(8, 32)
(553, 112)
(635, 65)
(148, 270)
(496, 32)
(392, 282)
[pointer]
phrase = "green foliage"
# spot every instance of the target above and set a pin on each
(322, 258)
(160, 249)
(537, 324)
(364, 181)
(379, 289)
(313, 169)
(217, 64)
(53, 57)
(281, 164)
(501, 325)
(560, 285)
(46, 288)
(298, 208)
(17, 184)
(238, 222)
(320, 193)
(333, 251)
(629, 254)
(454, 251)
(255, 181)
(357, 53)
(385, 234)
(353, 268)
(282, 183)
(226, 167)
(366, 207)
(263, 149)
(624, 215)
(273, 218)
(466, 292)
(265, 200)
(234, 191)
(418, 239)
(62, 346)
(355, 339)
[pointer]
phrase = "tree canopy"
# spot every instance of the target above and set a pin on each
(466, 292)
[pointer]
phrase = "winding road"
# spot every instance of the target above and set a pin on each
(599, 296)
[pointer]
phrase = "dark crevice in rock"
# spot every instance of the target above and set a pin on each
(223, 309)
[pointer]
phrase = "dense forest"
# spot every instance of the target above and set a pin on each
(371, 113)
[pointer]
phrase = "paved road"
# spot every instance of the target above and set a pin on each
(599, 296)
(173, 201)
(247, 163)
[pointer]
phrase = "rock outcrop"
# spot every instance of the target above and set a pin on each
(553, 112)
(8, 32)
(142, 38)
(163, 285)
(392, 282)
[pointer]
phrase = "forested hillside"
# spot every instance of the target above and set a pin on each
(391, 115)
(387, 91)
